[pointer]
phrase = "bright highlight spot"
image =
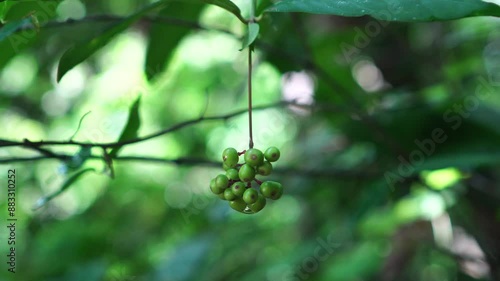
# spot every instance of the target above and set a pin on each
(441, 179)
(18, 74)
(71, 9)
(368, 76)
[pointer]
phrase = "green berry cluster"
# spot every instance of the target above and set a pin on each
(236, 185)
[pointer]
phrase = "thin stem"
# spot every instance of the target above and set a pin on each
(250, 145)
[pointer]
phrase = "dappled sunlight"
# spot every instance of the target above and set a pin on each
(18, 74)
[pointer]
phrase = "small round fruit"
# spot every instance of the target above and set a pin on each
(254, 157)
(246, 173)
(272, 154)
(232, 174)
(221, 196)
(238, 188)
(214, 188)
(271, 189)
(250, 196)
(221, 181)
(230, 157)
(265, 169)
(229, 195)
(259, 205)
(238, 204)
(225, 167)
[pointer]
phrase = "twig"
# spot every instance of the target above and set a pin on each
(184, 161)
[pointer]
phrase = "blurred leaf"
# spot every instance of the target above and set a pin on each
(391, 10)
(16, 10)
(164, 38)
(79, 158)
(228, 6)
(131, 128)
(109, 170)
(69, 181)
(11, 27)
(261, 6)
(77, 54)
(251, 35)
(4, 8)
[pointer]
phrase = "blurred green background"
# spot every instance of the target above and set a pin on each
(391, 165)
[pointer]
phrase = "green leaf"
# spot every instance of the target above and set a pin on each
(164, 38)
(4, 8)
(77, 160)
(16, 10)
(392, 10)
(251, 35)
(131, 128)
(77, 54)
(12, 26)
(228, 6)
(69, 181)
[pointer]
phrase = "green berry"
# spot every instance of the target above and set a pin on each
(246, 173)
(250, 196)
(221, 196)
(225, 167)
(272, 154)
(221, 181)
(232, 174)
(230, 157)
(238, 188)
(214, 188)
(254, 157)
(238, 204)
(271, 189)
(229, 195)
(259, 205)
(265, 169)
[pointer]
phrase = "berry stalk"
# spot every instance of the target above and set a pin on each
(250, 145)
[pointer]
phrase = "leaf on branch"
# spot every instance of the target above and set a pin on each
(77, 54)
(251, 35)
(392, 10)
(69, 181)
(164, 38)
(79, 158)
(228, 6)
(109, 170)
(130, 130)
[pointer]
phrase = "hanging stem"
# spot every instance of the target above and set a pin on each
(250, 48)
(250, 145)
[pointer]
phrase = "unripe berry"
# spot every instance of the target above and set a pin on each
(238, 205)
(238, 188)
(246, 173)
(254, 157)
(229, 195)
(230, 157)
(259, 205)
(221, 196)
(271, 189)
(265, 169)
(250, 196)
(214, 188)
(272, 154)
(221, 181)
(232, 174)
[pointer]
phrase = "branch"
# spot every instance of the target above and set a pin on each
(36, 144)
(185, 161)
